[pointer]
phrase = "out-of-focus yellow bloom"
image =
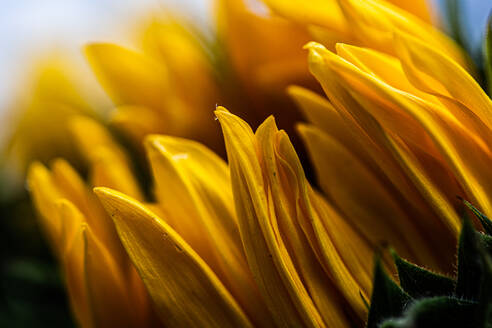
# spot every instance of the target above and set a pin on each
(330, 13)
(261, 61)
(103, 286)
(172, 81)
(166, 86)
(368, 23)
(40, 113)
(176, 76)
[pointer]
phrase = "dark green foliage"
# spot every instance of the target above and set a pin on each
(427, 299)
(469, 263)
(486, 223)
(428, 313)
(487, 55)
(484, 311)
(419, 282)
(387, 300)
(31, 289)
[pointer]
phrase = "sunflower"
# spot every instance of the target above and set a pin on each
(401, 130)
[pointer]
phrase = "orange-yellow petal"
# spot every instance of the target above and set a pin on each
(184, 289)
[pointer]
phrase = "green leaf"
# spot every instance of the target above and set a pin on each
(454, 13)
(487, 54)
(484, 312)
(470, 266)
(388, 300)
(484, 220)
(485, 242)
(419, 282)
(440, 311)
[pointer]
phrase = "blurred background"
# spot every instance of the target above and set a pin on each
(28, 27)
(31, 293)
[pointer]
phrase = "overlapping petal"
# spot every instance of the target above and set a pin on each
(184, 289)
(279, 216)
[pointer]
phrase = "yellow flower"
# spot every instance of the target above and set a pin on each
(393, 141)
(177, 74)
(402, 132)
(52, 94)
(168, 86)
(414, 130)
(282, 255)
(103, 286)
(249, 244)
(368, 23)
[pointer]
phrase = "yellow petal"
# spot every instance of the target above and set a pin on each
(465, 153)
(110, 166)
(74, 189)
(185, 290)
(44, 193)
(362, 197)
(285, 198)
(375, 21)
(129, 77)
(193, 189)
(383, 66)
(319, 12)
(244, 32)
(137, 122)
(179, 47)
(107, 291)
(320, 112)
(434, 72)
(98, 294)
(366, 131)
(419, 8)
(343, 253)
(267, 256)
(74, 269)
(89, 135)
(108, 170)
(394, 116)
(176, 193)
(71, 220)
(426, 186)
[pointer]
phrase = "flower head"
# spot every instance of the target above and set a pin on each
(402, 131)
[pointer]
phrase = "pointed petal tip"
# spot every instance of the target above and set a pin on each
(114, 200)
(104, 191)
(340, 46)
(316, 49)
(219, 110)
(304, 129)
(313, 45)
(293, 89)
(35, 171)
(79, 125)
(270, 121)
(151, 142)
(94, 49)
(60, 166)
(35, 167)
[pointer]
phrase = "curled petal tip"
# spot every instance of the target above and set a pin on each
(220, 109)
(312, 45)
(104, 191)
